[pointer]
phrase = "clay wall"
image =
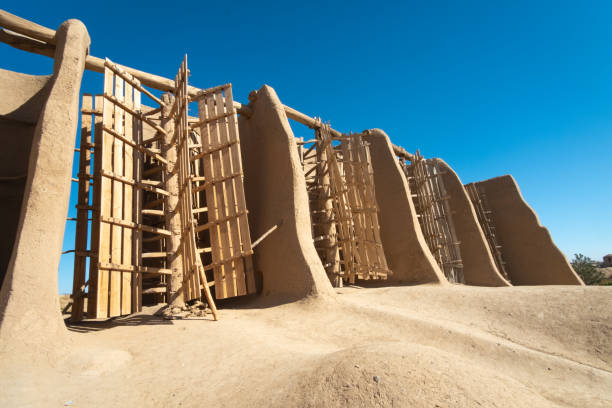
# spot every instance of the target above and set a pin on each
(276, 195)
(29, 304)
(531, 256)
(408, 256)
(478, 264)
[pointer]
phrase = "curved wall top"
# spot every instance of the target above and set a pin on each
(29, 304)
(531, 256)
(405, 248)
(478, 264)
(276, 195)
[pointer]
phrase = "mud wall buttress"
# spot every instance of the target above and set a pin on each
(29, 303)
(405, 248)
(478, 264)
(531, 256)
(276, 195)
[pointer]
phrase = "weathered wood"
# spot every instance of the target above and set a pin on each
(82, 214)
(435, 216)
(93, 289)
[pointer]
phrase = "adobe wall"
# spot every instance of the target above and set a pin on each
(531, 256)
(478, 264)
(29, 304)
(275, 191)
(23, 97)
(405, 248)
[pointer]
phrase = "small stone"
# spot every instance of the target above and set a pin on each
(356, 365)
(376, 378)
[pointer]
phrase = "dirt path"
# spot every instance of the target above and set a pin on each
(404, 346)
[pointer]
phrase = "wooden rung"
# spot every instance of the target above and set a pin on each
(75, 180)
(129, 224)
(154, 255)
(153, 212)
(131, 80)
(210, 91)
(153, 111)
(209, 120)
(200, 210)
(139, 115)
(84, 207)
(219, 221)
(213, 149)
(134, 145)
(134, 183)
(204, 250)
(216, 181)
(224, 261)
(133, 269)
(154, 183)
(150, 291)
(303, 142)
(91, 112)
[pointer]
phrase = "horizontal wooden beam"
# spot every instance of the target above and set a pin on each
(42, 40)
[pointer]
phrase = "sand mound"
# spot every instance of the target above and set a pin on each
(399, 374)
(387, 347)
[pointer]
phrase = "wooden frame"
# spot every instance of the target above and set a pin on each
(344, 217)
(219, 183)
(435, 216)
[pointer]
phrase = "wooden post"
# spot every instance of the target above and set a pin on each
(174, 290)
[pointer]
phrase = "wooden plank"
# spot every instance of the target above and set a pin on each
(130, 80)
(236, 167)
(82, 215)
(212, 199)
(106, 197)
(132, 268)
(128, 205)
(117, 202)
(132, 225)
(233, 242)
(92, 291)
(138, 162)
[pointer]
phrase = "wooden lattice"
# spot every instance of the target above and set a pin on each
(218, 179)
(435, 216)
(359, 181)
(344, 212)
(483, 213)
(116, 268)
(193, 275)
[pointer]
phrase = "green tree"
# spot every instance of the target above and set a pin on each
(585, 267)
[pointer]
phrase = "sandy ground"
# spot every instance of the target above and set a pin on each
(420, 346)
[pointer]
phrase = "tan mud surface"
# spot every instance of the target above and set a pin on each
(420, 346)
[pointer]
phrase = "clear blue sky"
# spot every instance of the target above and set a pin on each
(524, 88)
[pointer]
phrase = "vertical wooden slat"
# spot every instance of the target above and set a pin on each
(233, 245)
(106, 199)
(236, 168)
(117, 204)
(137, 203)
(92, 294)
(127, 171)
(80, 259)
